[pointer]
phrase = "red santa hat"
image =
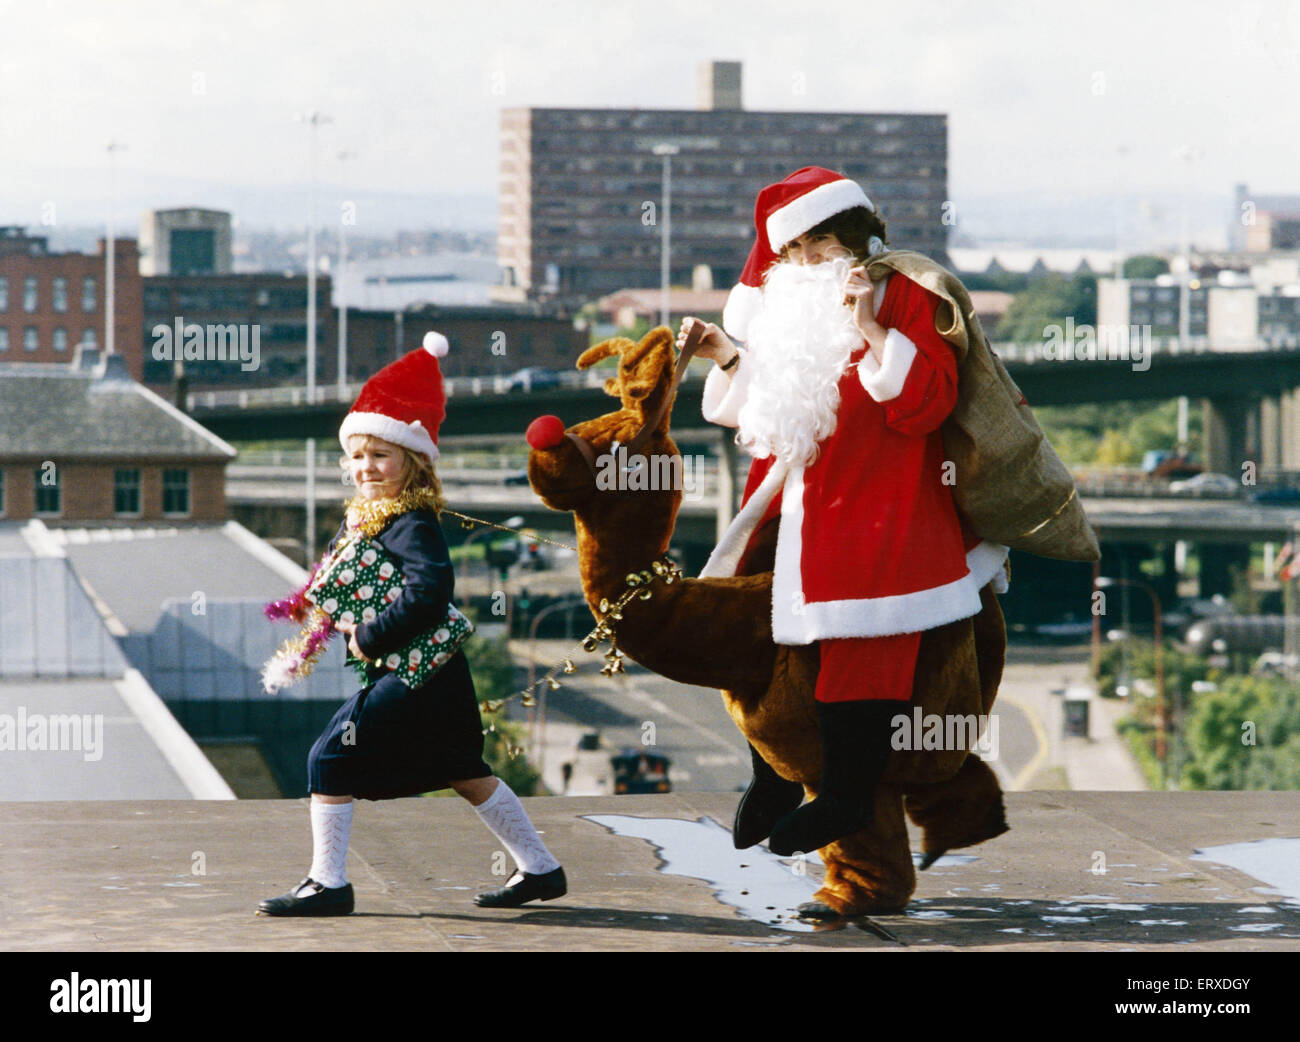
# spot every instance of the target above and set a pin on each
(784, 211)
(404, 403)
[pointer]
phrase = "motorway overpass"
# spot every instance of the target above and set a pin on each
(1253, 405)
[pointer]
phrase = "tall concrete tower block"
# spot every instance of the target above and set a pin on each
(186, 241)
(720, 86)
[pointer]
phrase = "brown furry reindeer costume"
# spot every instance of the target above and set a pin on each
(717, 633)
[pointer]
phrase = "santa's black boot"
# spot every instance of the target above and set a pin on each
(855, 752)
(768, 799)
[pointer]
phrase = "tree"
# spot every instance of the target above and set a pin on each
(1047, 302)
(1145, 266)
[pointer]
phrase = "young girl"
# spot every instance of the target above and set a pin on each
(389, 740)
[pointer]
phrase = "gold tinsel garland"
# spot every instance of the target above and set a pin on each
(372, 516)
(638, 586)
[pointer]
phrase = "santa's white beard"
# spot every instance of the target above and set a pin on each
(799, 346)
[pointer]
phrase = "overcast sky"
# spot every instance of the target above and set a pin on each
(1044, 100)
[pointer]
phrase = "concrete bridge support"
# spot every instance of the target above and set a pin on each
(1280, 430)
(1232, 433)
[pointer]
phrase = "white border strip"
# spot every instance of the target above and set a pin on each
(172, 740)
(264, 552)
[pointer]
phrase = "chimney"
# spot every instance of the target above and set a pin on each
(113, 369)
(720, 86)
(86, 360)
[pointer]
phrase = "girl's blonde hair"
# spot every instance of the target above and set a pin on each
(417, 470)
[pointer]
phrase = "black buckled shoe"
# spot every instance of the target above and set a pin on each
(310, 898)
(768, 799)
(521, 888)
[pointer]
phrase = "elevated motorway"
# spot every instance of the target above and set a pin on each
(477, 407)
(1121, 519)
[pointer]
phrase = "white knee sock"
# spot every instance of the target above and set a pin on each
(505, 816)
(331, 828)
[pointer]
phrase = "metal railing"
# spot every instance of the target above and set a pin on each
(459, 386)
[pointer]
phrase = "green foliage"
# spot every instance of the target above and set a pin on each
(1115, 450)
(1145, 266)
(1181, 670)
(1049, 301)
(1077, 432)
(1221, 725)
(1003, 281)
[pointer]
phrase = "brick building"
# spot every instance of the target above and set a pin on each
(85, 442)
(269, 306)
(51, 302)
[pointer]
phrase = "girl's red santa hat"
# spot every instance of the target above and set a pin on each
(404, 403)
(784, 211)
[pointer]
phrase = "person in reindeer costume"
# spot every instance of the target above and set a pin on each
(839, 393)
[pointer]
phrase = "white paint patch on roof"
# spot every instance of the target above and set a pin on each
(1275, 862)
(759, 885)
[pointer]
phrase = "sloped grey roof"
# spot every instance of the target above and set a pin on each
(57, 411)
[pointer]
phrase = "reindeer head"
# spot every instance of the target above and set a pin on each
(569, 468)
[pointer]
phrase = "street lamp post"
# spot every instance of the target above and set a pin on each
(340, 286)
(538, 732)
(110, 252)
(666, 152)
(313, 119)
(1162, 705)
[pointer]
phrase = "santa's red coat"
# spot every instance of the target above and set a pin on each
(870, 541)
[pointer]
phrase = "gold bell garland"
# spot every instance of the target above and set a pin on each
(638, 586)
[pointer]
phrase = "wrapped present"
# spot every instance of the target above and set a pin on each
(357, 582)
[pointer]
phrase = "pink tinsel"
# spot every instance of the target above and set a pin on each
(296, 605)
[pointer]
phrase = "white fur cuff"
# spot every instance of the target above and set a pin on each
(885, 382)
(725, 393)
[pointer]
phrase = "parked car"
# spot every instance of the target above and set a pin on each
(533, 378)
(1207, 482)
(640, 772)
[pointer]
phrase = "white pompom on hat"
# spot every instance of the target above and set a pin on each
(404, 403)
(784, 211)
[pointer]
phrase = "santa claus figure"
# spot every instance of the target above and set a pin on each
(838, 387)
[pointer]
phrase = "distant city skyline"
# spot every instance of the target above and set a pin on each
(1047, 108)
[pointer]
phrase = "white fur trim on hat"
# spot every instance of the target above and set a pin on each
(436, 344)
(743, 303)
(411, 436)
(811, 208)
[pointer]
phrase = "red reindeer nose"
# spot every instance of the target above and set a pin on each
(545, 432)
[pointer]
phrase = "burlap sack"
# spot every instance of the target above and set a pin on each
(1009, 482)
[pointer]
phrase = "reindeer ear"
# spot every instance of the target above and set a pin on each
(646, 374)
(618, 345)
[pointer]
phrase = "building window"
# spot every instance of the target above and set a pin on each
(4, 339)
(126, 491)
(49, 497)
(176, 492)
(60, 339)
(31, 338)
(60, 294)
(88, 293)
(29, 294)
(2, 493)
(4, 293)
(88, 338)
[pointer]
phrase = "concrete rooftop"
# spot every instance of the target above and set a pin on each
(187, 875)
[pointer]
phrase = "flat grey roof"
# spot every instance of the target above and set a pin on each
(135, 570)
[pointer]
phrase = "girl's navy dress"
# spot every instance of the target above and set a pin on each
(404, 741)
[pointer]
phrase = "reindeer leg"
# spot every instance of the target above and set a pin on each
(959, 812)
(869, 871)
